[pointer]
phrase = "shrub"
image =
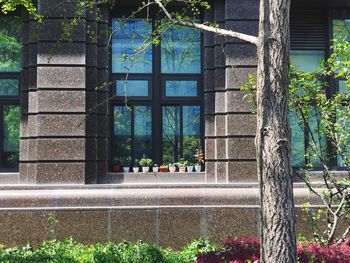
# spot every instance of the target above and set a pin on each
(246, 249)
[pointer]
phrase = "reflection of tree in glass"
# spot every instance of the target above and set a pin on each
(122, 131)
(9, 87)
(341, 29)
(171, 133)
(180, 50)
(10, 44)
(11, 116)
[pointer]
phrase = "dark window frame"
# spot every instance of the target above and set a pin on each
(156, 96)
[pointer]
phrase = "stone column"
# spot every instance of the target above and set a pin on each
(59, 135)
(230, 125)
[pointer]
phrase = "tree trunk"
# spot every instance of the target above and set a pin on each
(278, 238)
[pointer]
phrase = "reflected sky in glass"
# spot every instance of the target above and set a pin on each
(9, 87)
(307, 60)
(132, 88)
(127, 41)
(181, 50)
(181, 88)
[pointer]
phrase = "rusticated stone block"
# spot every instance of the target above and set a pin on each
(91, 32)
(236, 102)
(219, 56)
(219, 11)
(133, 225)
(52, 30)
(242, 171)
(220, 125)
(61, 77)
(237, 9)
(209, 99)
(220, 102)
(210, 172)
(60, 101)
(91, 56)
(221, 148)
(21, 228)
(246, 27)
(209, 79)
(102, 33)
(32, 78)
(102, 60)
(208, 60)
(91, 172)
(241, 124)
(102, 172)
(60, 125)
(178, 227)
(241, 148)
(210, 146)
(220, 79)
(240, 55)
(59, 173)
(223, 222)
(54, 8)
(209, 125)
(61, 53)
(102, 149)
(27, 173)
(221, 172)
(236, 77)
(92, 79)
(90, 227)
(60, 149)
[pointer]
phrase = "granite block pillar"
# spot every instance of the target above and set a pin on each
(61, 97)
(229, 122)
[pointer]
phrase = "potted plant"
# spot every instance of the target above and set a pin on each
(182, 165)
(136, 167)
(164, 168)
(126, 162)
(155, 168)
(145, 164)
(189, 167)
(172, 167)
(199, 156)
(116, 167)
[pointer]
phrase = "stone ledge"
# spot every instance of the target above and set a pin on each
(94, 198)
(157, 177)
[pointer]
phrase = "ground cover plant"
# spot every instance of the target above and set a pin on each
(239, 250)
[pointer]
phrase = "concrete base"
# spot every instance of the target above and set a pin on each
(164, 214)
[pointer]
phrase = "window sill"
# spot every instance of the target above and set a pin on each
(158, 177)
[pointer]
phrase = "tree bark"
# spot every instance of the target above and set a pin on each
(278, 237)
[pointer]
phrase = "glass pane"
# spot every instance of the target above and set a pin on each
(11, 117)
(143, 132)
(132, 88)
(181, 50)
(9, 87)
(122, 131)
(171, 133)
(343, 120)
(342, 86)
(191, 131)
(181, 88)
(341, 29)
(307, 60)
(298, 141)
(132, 46)
(10, 43)
(317, 140)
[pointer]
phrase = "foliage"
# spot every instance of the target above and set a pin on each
(182, 163)
(11, 5)
(247, 249)
(199, 156)
(146, 162)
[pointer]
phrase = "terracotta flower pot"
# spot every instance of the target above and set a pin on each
(182, 169)
(117, 168)
(163, 170)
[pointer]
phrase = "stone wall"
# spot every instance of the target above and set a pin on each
(229, 123)
(60, 141)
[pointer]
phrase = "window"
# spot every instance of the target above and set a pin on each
(10, 51)
(156, 101)
(309, 46)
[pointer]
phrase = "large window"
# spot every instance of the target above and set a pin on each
(10, 51)
(156, 101)
(307, 54)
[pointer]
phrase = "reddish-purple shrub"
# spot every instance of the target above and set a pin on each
(247, 248)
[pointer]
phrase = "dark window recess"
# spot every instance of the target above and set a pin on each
(10, 68)
(157, 97)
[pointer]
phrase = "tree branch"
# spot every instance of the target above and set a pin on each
(219, 31)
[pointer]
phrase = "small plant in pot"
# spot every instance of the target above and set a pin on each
(164, 168)
(190, 167)
(199, 156)
(155, 168)
(145, 164)
(172, 167)
(117, 166)
(126, 162)
(136, 167)
(182, 165)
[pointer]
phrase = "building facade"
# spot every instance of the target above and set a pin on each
(65, 118)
